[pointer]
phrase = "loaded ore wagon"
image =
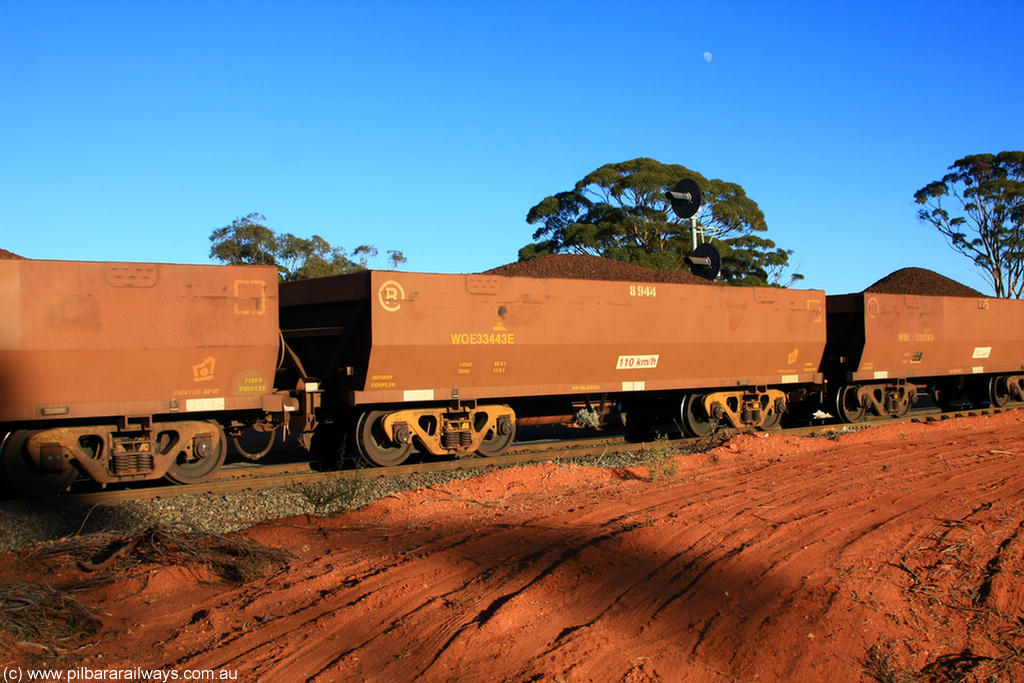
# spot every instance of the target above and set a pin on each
(128, 371)
(124, 372)
(452, 363)
(886, 347)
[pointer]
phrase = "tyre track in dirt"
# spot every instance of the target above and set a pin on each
(865, 518)
(777, 558)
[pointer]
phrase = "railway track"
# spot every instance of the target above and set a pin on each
(254, 477)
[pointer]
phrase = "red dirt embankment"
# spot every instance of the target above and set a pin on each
(893, 554)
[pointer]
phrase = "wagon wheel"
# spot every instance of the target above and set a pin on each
(25, 474)
(199, 464)
(696, 421)
(903, 407)
(771, 421)
(999, 391)
(374, 445)
(499, 438)
(848, 405)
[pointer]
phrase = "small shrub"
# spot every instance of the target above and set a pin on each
(588, 418)
(660, 458)
(338, 493)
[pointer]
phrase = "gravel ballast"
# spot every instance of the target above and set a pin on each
(27, 524)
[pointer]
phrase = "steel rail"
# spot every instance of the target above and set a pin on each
(256, 477)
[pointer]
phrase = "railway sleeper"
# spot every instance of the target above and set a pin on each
(485, 430)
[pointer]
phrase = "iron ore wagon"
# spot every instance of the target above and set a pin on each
(129, 371)
(124, 372)
(452, 363)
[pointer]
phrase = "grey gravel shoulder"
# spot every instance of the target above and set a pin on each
(217, 513)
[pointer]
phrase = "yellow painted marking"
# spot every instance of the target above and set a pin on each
(250, 297)
(650, 291)
(391, 295)
(482, 338)
(203, 372)
(383, 381)
(252, 384)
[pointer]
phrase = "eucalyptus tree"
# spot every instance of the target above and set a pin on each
(979, 208)
(620, 211)
(249, 241)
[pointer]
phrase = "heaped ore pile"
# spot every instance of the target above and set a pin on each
(585, 267)
(9, 254)
(921, 282)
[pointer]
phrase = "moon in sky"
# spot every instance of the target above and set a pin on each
(707, 56)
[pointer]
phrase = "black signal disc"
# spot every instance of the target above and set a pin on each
(687, 205)
(713, 268)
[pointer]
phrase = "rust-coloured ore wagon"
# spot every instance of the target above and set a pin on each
(451, 363)
(885, 348)
(128, 371)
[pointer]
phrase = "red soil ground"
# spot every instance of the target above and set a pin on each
(893, 554)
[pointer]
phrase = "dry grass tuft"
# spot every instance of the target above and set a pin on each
(878, 665)
(234, 559)
(46, 617)
(960, 667)
(339, 493)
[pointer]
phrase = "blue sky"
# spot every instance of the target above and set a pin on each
(131, 130)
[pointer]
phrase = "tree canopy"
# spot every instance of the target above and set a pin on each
(620, 211)
(985, 221)
(249, 241)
